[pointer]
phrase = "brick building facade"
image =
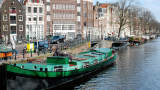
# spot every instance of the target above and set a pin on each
(68, 17)
(12, 20)
(34, 11)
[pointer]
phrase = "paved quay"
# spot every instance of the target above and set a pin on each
(73, 51)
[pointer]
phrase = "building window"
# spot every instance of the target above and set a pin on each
(71, 27)
(48, 8)
(57, 27)
(29, 19)
(78, 4)
(63, 6)
(34, 19)
(5, 27)
(20, 18)
(78, 1)
(85, 15)
(20, 27)
(5, 18)
(35, 9)
(48, 18)
(29, 9)
(72, 7)
(12, 19)
(78, 14)
(12, 10)
(54, 6)
(13, 29)
(40, 18)
(12, 3)
(67, 6)
(40, 10)
(64, 27)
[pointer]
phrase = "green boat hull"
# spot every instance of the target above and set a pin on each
(49, 74)
(27, 77)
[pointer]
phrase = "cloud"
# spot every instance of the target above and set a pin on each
(153, 6)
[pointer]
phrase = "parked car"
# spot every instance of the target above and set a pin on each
(56, 39)
(42, 45)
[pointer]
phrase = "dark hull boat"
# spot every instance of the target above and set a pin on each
(58, 70)
(118, 45)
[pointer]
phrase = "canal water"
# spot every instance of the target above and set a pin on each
(137, 68)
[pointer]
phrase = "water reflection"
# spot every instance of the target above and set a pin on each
(136, 69)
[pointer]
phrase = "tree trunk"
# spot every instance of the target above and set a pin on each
(119, 32)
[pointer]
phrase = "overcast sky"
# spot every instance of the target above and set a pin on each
(152, 5)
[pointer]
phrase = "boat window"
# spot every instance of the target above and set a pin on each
(22, 66)
(97, 53)
(41, 69)
(107, 55)
(46, 69)
(89, 55)
(77, 58)
(86, 64)
(58, 68)
(14, 64)
(35, 67)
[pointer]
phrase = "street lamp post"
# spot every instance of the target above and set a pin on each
(37, 33)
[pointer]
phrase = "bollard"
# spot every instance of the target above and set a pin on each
(43, 51)
(23, 53)
(15, 56)
(31, 52)
(38, 52)
(3, 77)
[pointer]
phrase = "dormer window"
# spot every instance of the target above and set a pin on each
(12, 3)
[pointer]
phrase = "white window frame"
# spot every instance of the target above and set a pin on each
(20, 19)
(48, 18)
(54, 6)
(5, 17)
(35, 18)
(78, 1)
(40, 9)
(41, 18)
(64, 6)
(20, 27)
(35, 8)
(5, 27)
(29, 18)
(48, 0)
(30, 10)
(48, 7)
(67, 6)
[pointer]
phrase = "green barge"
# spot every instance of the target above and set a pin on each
(60, 67)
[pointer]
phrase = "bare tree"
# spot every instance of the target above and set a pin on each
(143, 20)
(123, 7)
(133, 18)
